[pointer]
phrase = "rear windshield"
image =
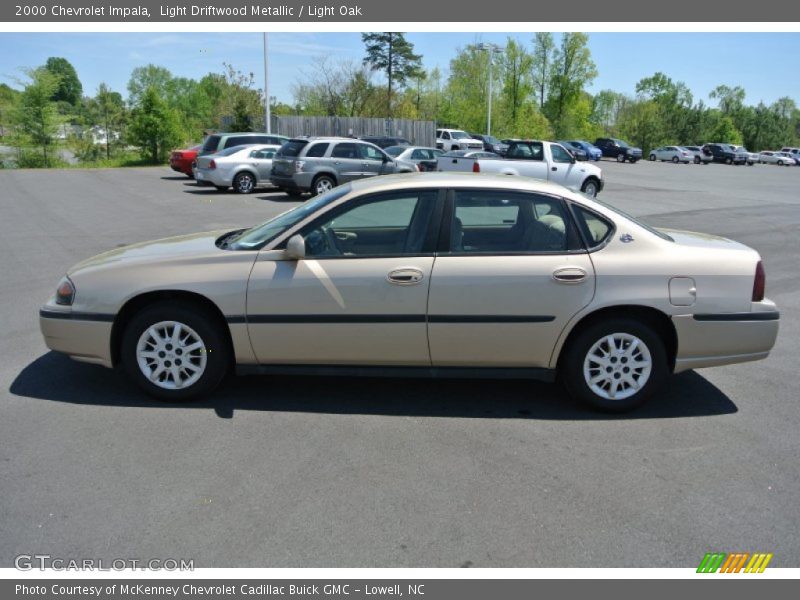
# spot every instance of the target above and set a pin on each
(395, 150)
(292, 148)
(211, 143)
(231, 150)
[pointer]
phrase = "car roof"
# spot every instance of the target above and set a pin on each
(460, 180)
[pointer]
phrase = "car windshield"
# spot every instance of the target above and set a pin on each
(395, 151)
(491, 139)
(459, 135)
(622, 213)
(211, 143)
(255, 238)
(621, 144)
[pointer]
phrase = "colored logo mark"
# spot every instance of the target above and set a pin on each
(721, 562)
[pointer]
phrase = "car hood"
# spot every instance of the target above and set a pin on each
(695, 239)
(183, 246)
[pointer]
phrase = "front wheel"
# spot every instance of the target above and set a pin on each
(616, 364)
(675, 159)
(697, 160)
(652, 157)
(590, 187)
(620, 158)
(175, 351)
(244, 183)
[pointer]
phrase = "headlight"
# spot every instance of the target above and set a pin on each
(65, 294)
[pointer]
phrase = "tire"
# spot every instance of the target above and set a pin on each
(652, 158)
(221, 188)
(150, 329)
(590, 187)
(244, 183)
(675, 159)
(620, 158)
(728, 161)
(633, 161)
(780, 163)
(697, 160)
(321, 184)
(584, 361)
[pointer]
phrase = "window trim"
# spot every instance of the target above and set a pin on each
(443, 243)
(609, 236)
(428, 242)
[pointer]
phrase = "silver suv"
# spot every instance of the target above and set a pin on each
(318, 164)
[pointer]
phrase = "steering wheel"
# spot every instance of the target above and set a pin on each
(331, 241)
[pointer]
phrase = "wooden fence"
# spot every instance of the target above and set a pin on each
(420, 133)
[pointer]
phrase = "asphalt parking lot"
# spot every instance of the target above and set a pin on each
(324, 472)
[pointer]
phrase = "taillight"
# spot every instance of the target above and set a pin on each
(476, 168)
(759, 283)
(298, 166)
(212, 164)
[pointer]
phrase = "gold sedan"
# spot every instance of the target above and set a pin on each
(432, 274)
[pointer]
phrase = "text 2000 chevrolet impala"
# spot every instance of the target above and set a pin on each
(430, 274)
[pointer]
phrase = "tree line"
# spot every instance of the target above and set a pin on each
(539, 91)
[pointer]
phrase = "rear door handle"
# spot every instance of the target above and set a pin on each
(569, 275)
(405, 276)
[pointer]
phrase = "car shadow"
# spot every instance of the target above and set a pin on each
(177, 178)
(56, 378)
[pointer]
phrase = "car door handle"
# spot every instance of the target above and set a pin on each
(554, 168)
(405, 276)
(569, 275)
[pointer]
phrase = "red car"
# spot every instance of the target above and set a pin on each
(181, 160)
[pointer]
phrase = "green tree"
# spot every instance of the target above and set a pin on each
(515, 66)
(154, 126)
(69, 88)
(8, 98)
(144, 78)
(544, 47)
(724, 130)
(108, 110)
(35, 115)
(394, 55)
(573, 69)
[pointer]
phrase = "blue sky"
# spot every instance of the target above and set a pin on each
(765, 64)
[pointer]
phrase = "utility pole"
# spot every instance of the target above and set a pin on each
(267, 115)
(491, 49)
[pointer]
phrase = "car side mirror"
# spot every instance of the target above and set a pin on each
(573, 159)
(296, 247)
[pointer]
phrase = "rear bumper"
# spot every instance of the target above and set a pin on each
(82, 336)
(301, 182)
(709, 340)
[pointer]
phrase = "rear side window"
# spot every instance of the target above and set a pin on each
(346, 150)
(211, 143)
(241, 140)
(292, 148)
(595, 228)
(317, 150)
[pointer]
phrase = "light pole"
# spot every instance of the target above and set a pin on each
(267, 116)
(491, 49)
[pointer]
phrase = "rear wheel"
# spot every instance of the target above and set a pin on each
(697, 160)
(615, 365)
(620, 157)
(322, 184)
(675, 159)
(652, 157)
(175, 351)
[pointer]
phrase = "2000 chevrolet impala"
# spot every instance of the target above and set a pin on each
(430, 274)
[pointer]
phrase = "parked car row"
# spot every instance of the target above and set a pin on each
(723, 153)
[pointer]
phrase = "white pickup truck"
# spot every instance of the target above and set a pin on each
(527, 158)
(455, 139)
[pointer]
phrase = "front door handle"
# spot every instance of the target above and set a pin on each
(554, 168)
(569, 275)
(405, 276)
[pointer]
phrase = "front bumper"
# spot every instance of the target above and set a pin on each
(710, 340)
(83, 336)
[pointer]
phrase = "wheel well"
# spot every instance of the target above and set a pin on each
(248, 171)
(138, 303)
(653, 317)
(588, 179)
(324, 174)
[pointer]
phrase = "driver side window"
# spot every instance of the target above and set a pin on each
(385, 225)
(560, 155)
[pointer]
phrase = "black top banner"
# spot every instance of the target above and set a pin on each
(387, 11)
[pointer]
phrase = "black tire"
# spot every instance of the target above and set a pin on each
(322, 183)
(620, 158)
(652, 158)
(221, 188)
(675, 159)
(591, 187)
(572, 363)
(244, 183)
(697, 160)
(728, 161)
(204, 324)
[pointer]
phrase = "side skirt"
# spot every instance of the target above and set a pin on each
(540, 374)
